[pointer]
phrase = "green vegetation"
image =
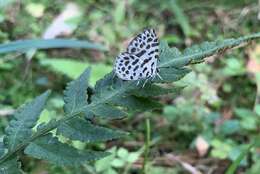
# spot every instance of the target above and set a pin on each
(203, 116)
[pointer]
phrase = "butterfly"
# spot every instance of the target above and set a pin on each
(140, 60)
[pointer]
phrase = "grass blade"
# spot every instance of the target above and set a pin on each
(25, 45)
(235, 164)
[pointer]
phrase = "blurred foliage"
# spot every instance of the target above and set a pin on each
(220, 103)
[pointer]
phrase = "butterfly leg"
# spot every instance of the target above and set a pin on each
(146, 80)
(157, 73)
(159, 76)
(114, 74)
(137, 82)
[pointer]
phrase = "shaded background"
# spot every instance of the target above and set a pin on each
(206, 126)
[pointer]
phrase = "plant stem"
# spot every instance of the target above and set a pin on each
(67, 117)
(147, 144)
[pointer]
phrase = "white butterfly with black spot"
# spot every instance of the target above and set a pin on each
(140, 60)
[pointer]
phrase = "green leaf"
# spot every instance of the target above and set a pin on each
(257, 109)
(234, 67)
(230, 127)
(75, 95)
(244, 112)
(232, 168)
(170, 112)
(181, 18)
(133, 157)
(118, 163)
(2, 148)
(122, 153)
(107, 89)
(82, 130)
(5, 3)
(134, 103)
(119, 13)
(68, 67)
(151, 90)
(25, 118)
(73, 68)
(99, 71)
(249, 123)
(235, 152)
(220, 149)
(105, 163)
(11, 166)
(50, 149)
(171, 74)
(25, 45)
(108, 112)
(171, 57)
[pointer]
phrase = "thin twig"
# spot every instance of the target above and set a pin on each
(147, 145)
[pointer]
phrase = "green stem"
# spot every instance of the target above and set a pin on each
(37, 135)
(147, 144)
(67, 117)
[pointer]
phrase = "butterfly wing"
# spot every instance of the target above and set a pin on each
(140, 60)
(146, 47)
(127, 66)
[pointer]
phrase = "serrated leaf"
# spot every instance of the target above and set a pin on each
(171, 74)
(109, 92)
(134, 103)
(11, 166)
(83, 130)
(151, 90)
(198, 53)
(75, 95)
(50, 149)
(167, 53)
(108, 112)
(25, 118)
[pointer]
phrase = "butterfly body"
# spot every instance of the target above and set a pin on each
(140, 59)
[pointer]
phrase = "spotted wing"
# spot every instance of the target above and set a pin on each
(146, 47)
(127, 66)
(147, 68)
(144, 43)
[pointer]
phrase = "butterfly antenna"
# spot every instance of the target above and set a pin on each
(157, 73)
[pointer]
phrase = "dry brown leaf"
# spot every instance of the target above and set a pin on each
(60, 25)
(253, 64)
(188, 167)
(202, 146)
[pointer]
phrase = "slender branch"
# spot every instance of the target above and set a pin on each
(147, 144)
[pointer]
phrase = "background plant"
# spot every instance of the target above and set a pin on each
(217, 106)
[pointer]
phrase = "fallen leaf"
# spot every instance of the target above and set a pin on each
(202, 146)
(253, 64)
(63, 24)
(188, 167)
